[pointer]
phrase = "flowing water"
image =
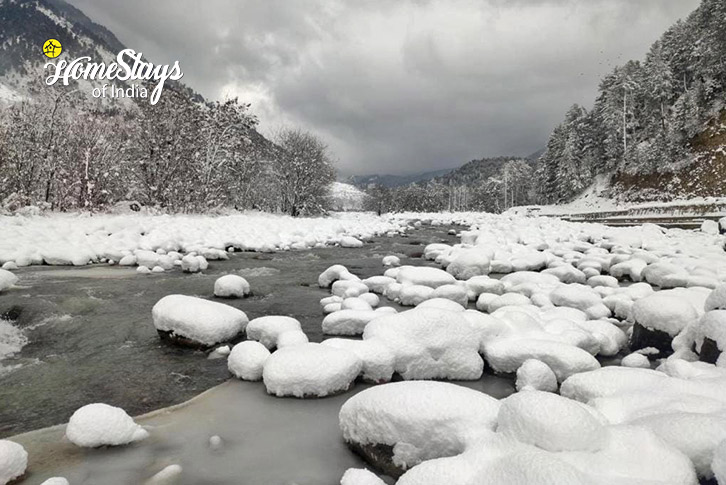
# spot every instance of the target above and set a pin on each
(90, 339)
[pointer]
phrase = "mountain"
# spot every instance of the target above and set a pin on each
(364, 181)
(657, 130)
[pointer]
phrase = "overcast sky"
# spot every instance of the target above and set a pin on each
(397, 86)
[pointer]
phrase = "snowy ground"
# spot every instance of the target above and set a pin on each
(544, 301)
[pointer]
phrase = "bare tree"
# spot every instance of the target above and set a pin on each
(304, 170)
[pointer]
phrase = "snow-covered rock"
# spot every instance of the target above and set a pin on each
(247, 359)
(268, 329)
(7, 279)
(551, 422)
(429, 343)
(349, 322)
(360, 476)
(310, 370)
(333, 274)
(56, 481)
(350, 242)
(231, 286)
(402, 415)
(13, 461)
(99, 424)
(536, 375)
(635, 360)
(391, 261)
(197, 321)
(378, 360)
(424, 276)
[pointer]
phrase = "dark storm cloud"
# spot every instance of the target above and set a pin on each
(398, 86)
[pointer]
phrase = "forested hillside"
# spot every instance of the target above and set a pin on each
(658, 126)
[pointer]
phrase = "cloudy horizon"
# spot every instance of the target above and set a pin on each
(401, 87)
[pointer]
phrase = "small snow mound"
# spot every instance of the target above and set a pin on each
(360, 476)
(56, 481)
(99, 424)
(13, 461)
(231, 286)
(310, 370)
(391, 261)
(201, 321)
(551, 422)
(267, 330)
(167, 476)
(247, 360)
(636, 359)
(350, 242)
(535, 375)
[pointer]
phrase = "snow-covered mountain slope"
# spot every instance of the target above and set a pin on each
(346, 197)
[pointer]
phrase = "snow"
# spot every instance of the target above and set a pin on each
(247, 360)
(429, 343)
(350, 242)
(7, 279)
(535, 375)
(716, 300)
(635, 360)
(551, 422)
(391, 260)
(468, 263)
(333, 274)
(664, 311)
(13, 461)
(719, 462)
(203, 321)
(424, 276)
(268, 329)
(231, 286)
(350, 322)
(506, 355)
(99, 424)
(56, 481)
(167, 476)
(309, 370)
(291, 337)
(696, 435)
(79, 238)
(378, 360)
(405, 414)
(378, 284)
(359, 476)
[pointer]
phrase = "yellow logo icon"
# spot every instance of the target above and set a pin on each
(52, 48)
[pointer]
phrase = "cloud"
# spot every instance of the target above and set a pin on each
(401, 86)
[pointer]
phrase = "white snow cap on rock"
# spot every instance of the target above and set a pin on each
(247, 360)
(13, 461)
(99, 424)
(535, 375)
(203, 321)
(267, 329)
(350, 242)
(231, 286)
(391, 260)
(310, 370)
(424, 276)
(56, 481)
(360, 476)
(7, 279)
(403, 414)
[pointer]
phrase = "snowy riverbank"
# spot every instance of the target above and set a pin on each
(549, 305)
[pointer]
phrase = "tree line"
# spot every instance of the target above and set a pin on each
(61, 151)
(645, 130)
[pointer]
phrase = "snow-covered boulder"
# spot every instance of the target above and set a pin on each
(635, 360)
(430, 343)
(378, 284)
(378, 360)
(310, 370)
(535, 375)
(412, 295)
(290, 338)
(247, 359)
(266, 330)
(333, 274)
(360, 476)
(391, 261)
(349, 322)
(231, 286)
(350, 242)
(551, 422)
(13, 461)
(468, 263)
(718, 465)
(192, 263)
(56, 481)
(424, 276)
(192, 321)
(506, 355)
(401, 416)
(7, 279)
(99, 424)
(660, 317)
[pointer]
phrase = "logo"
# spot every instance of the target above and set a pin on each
(52, 48)
(132, 72)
